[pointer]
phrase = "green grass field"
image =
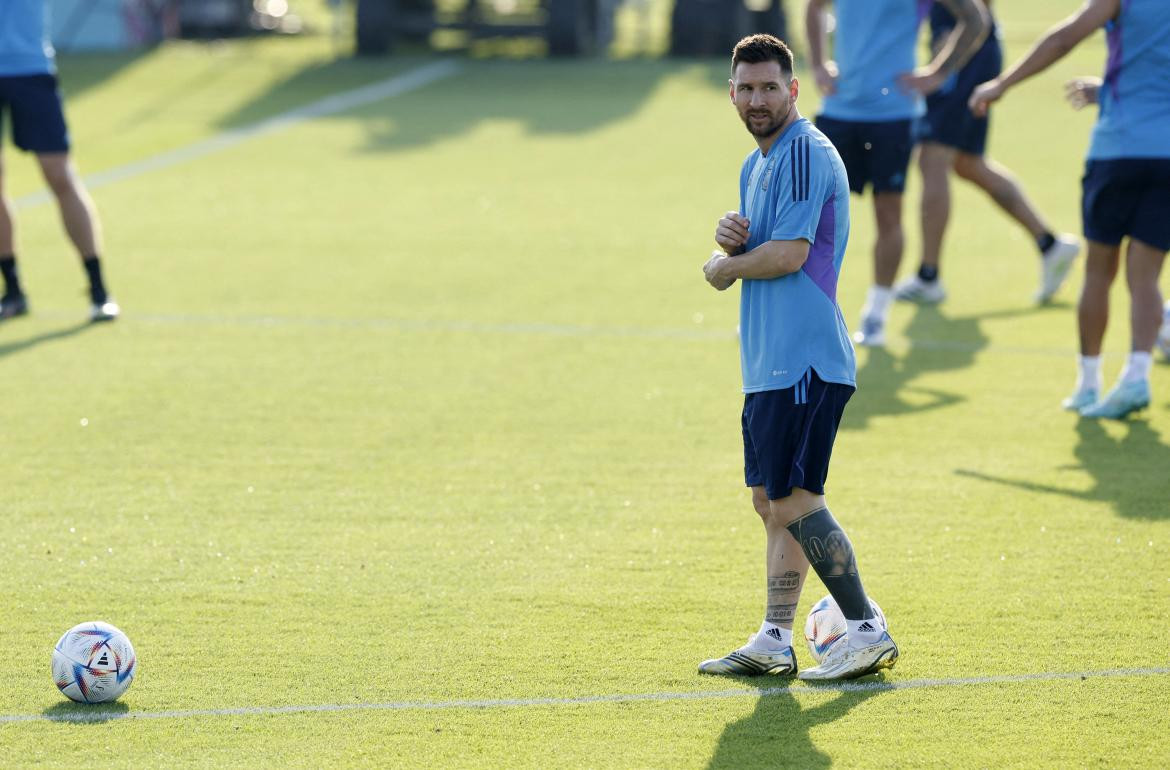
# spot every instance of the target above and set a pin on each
(426, 403)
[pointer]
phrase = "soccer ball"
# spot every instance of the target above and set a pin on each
(93, 663)
(825, 626)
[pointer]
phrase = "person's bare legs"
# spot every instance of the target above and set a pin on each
(12, 303)
(1143, 266)
(887, 255)
(1003, 188)
(1092, 319)
(1093, 309)
(78, 213)
(7, 232)
(935, 162)
(891, 241)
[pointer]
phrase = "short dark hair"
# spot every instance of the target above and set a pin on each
(755, 49)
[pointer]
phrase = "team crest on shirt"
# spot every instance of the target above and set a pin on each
(767, 177)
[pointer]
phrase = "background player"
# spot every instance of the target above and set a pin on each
(30, 100)
(871, 99)
(787, 243)
(950, 139)
(1126, 184)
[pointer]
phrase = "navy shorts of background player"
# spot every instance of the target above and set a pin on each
(32, 104)
(949, 121)
(1127, 197)
(875, 153)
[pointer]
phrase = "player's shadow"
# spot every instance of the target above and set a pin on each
(85, 714)
(16, 346)
(1130, 473)
(546, 97)
(938, 343)
(778, 732)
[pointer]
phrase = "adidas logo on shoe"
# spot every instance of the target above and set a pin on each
(866, 628)
(775, 634)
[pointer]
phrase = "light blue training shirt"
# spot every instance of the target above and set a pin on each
(1135, 99)
(25, 48)
(875, 42)
(788, 324)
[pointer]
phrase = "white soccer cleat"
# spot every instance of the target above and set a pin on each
(1079, 400)
(748, 661)
(1125, 399)
(845, 662)
(872, 333)
(104, 311)
(914, 289)
(1055, 264)
(1163, 343)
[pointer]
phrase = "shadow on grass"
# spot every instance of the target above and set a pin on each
(1128, 472)
(777, 733)
(543, 96)
(85, 714)
(937, 343)
(8, 348)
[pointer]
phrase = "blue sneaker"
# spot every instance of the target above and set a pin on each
(1163, 343)
(1079, 400)
(872, 333)
(1125, 398)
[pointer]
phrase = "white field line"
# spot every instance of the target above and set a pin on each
(330, 105)
(537, 328)
(100, 714)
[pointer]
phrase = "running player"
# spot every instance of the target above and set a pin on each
(952, 139)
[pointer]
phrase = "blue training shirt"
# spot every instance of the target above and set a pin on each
(25, 48)
(1134, 121)
(875, 42)
(788, 324)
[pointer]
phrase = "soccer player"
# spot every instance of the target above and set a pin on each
(1126, 186)
(950, 139)
(871, 100)
(786, 244)
(30, 100)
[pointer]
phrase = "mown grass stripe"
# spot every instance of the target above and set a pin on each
(330, 105)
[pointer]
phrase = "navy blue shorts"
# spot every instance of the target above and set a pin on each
(33, 104)
(1127, 197)
(788, 435)
(875, 153)
(949, 121)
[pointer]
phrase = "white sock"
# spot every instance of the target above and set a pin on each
(772, 637)
(863, 632)
(1137, 367)
(1089, 373)
(877, 302)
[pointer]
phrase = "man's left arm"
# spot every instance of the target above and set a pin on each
(770, 259)
(972, 25)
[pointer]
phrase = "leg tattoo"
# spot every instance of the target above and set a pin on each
(831, 555)
(783, 593)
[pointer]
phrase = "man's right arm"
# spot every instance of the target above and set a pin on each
(824, 70)
(972, 25)
(1049, 49)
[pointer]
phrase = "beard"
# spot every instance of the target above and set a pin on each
(768, 127)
